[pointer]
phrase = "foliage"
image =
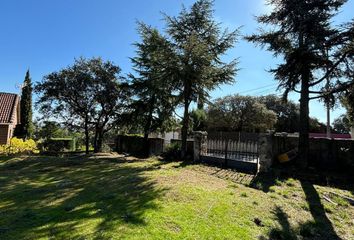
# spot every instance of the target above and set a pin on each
(248, 113)
(348, 102)
(312, 50)
(288, 113)
(173, 151)
(199, 119)
(171, 124)
(86, 95)
(54, 146)
(240, 113)
(199, 43)
(316, 126)
(50, 129)
(18, 145)
(153, 101)
(25, 128)
(342, 124)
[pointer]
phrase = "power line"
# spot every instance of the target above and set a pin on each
(259, 88)
(267, 92)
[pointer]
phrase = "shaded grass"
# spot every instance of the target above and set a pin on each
(111, 197)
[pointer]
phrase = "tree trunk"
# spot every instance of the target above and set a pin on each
(184, 130)
(98, 147)
(148, 127)
(95, 140)
(98, 140)
(304, 121)
(87, 140)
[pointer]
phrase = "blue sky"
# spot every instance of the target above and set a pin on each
(45, 36)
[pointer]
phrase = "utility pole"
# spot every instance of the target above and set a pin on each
(328, 104)
(328, 120)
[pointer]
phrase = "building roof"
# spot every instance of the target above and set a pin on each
(8, 103)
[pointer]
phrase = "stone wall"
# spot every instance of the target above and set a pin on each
(265, 152)
(199, 145)
(325, 154)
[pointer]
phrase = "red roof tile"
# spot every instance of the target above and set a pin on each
(8, 101)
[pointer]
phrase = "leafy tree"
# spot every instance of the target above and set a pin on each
(50, 129)
(110, 97)
(199, 119)
(312, 51)
(287, 113)
(316, 126)
(257, 114)
(153, 101)
(25, 129)
(86, 95)
(240, 113)
(199, 43)
(342, 124)
(348, 103)
(347, 97)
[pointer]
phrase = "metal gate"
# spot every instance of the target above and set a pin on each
(242, 155)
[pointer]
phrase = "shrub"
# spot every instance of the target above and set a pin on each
(17, 146)
(173, 151)
(57, 145)
(54, 146)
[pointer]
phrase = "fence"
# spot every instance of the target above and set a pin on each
(236, 136)
(241, 155)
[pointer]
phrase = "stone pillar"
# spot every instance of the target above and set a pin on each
(200, 145)
(352, 132)
(265, 152)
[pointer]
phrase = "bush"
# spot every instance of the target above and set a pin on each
(173, 151)
(54, 146)
(18, 146)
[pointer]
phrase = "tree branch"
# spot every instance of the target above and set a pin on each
(330, 70)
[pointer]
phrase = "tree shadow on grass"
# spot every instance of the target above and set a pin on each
(322, 225)
(263, 181)
(320, 228)
(58, 198)
(285, 231)
(309, 230)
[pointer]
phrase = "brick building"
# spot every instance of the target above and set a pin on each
(9, 116)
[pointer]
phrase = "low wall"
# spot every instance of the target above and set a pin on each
(326, 154)
(135, 145)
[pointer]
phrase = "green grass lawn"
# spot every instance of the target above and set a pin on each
(111, 197)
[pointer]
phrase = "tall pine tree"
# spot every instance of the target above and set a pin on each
(199, 43)
(312, 49)
(153, 86)
(25, 129)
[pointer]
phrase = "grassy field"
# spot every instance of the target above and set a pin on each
(111, 197)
